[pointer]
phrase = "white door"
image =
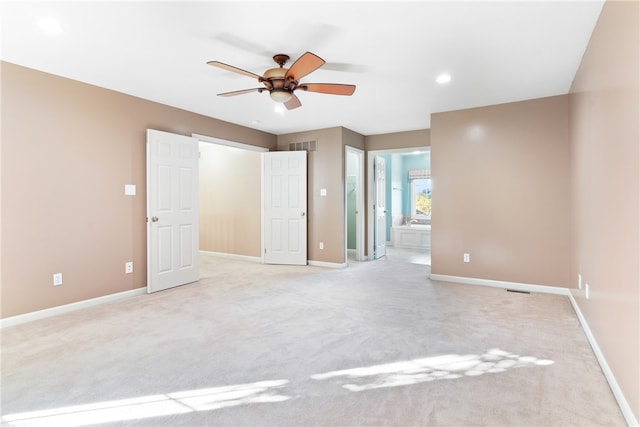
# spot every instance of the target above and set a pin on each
(380, 238)
(285, 207)
(172, 210)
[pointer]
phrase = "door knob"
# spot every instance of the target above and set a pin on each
(302, 213)
(154, 219)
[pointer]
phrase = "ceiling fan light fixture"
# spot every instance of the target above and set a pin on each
(280, 95)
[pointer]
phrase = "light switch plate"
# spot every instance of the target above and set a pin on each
(57, 279)
(129, 189)
(323, 191)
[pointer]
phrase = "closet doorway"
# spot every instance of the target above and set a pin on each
(354, 204)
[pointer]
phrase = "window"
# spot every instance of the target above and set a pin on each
(421, 198)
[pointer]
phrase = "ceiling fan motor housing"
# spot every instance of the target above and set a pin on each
(279, 89)
(275, 74)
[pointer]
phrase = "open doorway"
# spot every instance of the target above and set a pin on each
(407, 218)
(354, 204)
(230, 199)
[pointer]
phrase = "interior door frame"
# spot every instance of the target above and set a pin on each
(218, 141)
(380, 235)
(225, 142)
(359, 203)
(371, 188)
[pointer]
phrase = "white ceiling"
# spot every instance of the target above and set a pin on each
(495, 52)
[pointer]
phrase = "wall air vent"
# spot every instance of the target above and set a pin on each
(303, 146)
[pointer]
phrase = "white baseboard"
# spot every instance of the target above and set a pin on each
(613, 384)
(327, 264)
(258, 259)
(611, 379)
(68, 308)
(232, 256)
(500, 284)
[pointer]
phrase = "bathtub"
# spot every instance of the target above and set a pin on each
(411, 236)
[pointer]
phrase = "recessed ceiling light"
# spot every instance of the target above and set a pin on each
(50, 26)
(255, 122)
(443, 78)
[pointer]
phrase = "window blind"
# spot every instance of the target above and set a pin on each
(419, 174)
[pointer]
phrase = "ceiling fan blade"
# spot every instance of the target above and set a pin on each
(241, 92)
(304, 65)
(330, 88)
(234, 69)
(294, 102)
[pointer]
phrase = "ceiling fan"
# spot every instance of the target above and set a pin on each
(281, 83)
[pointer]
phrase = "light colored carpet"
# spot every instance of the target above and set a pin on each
(376, 343)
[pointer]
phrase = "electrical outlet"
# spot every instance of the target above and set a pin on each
(321, 245)
(467, 258)
(128, 267)
(57, 279)
(579, 281)
(586, 290)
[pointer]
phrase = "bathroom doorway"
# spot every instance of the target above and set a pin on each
(408, 203)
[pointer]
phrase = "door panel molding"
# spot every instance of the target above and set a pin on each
(172, 210)
(284, 207)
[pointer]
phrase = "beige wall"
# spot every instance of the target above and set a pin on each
(605, 165)
(501, 192)
(396, 140)
(68, 149)
(353, 139)
(230, 200)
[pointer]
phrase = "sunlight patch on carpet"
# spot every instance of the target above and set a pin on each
(450, 366)
(153, 406)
